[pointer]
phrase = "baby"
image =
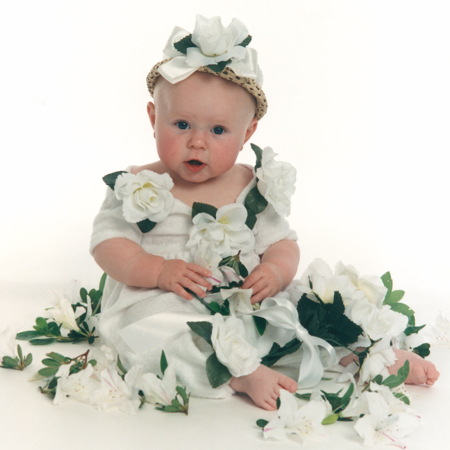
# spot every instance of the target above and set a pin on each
(201, 122)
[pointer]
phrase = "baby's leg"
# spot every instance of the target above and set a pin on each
(421, 371)
(263, 386)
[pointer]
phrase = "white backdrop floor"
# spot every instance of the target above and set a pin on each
(30, 420)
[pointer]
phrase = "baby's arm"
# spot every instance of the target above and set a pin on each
(277, 269)
(128, 263)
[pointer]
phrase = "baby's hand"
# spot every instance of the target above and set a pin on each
(177, 275)
(266, 280)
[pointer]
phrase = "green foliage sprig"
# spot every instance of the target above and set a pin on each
(47, 331)
(18, 362)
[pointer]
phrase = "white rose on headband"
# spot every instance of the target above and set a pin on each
(231, 347)
(215, 42)
(145, 195)
(276, 182)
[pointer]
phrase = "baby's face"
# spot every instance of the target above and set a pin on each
(201, 124)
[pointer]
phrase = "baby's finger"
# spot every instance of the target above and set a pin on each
(250, 281)
(199, 269)
(193, 287)
(199, 280)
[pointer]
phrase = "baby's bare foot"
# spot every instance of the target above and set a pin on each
(421, 371)
(263, 386)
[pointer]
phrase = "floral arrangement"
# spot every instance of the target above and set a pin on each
(333, 313)
(211, 45)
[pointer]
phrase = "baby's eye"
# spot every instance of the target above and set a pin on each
(182, 125)
(218, 130)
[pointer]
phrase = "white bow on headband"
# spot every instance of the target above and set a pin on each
(211, 45)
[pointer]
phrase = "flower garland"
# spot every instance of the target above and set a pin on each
(340, 309)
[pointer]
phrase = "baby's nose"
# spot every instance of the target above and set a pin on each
(197, 140)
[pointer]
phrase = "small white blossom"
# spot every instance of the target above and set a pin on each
(232, 349)
(276, 182)
(438, 332)
(160, 391)
(381, 356)
(145, 195)
(62, 313)
(117, 393)
(239, 300)
(78, 386)
(305, 422)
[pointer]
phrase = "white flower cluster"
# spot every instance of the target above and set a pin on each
(213, 238)
(102, 387)
(381, 418)
(145, 195)
(214, 44)
(276, 181)
(363, 300)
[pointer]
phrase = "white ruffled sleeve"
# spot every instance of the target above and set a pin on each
(110, 223)
(271, 228)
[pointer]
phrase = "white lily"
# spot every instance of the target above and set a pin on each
(239, 300)
(117, 393)
(78, 386)
(160, 391)
(63, 314)
(305, 422)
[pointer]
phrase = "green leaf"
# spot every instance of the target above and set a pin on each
(28, 359)
(54, 329)
(42, 341)
(255, 202)
(402, 397)
(203, 329)
(262, 423)
(395, 297)
(347, 396)
(219, 66)
(120, 366)
(50, 362)
(412, 330)
(111, 178)
(10, 363)
(403, 309)
(246, 41)
(216, 372)
(41, 325)
(277, 352)
(58, 357)
(163, 363)
(258, 153)
(83, 294)
(332, 418)
(396, 380)
(183, 394)
(48, 372)
(278, 402)
(198, 208)
(251, 219)
(146, 225)
(261, 324)
(183, 44)
(19, 352)
(27, 335)
(422, 350)
(387, 281)
(306, 397)
(102, 282)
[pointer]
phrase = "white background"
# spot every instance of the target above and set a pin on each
(358, 102)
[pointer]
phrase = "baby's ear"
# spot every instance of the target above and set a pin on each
(253, 125)
(151, 113)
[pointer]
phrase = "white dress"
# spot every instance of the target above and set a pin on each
(125, 307)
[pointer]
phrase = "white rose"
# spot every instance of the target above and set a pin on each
(215, 43)
(231, 347)
(226, 234)
(276, 182)
(370, 285)
(145, 195)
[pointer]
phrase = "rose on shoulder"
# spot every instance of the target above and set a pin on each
(145, 195)
(276, 181)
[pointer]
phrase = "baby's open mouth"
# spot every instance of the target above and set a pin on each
(194, 162)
